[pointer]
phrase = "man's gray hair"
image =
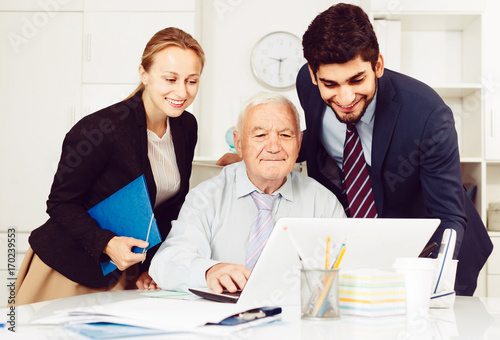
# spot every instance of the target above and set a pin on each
(265, 98)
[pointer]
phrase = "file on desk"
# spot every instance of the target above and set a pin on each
(128, 212)
(154, 316)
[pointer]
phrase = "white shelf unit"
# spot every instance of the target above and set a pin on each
(443, 48)
(491, 96)
(493, 182)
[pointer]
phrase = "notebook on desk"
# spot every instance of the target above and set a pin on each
(370, 243)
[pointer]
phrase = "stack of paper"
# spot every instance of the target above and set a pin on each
(148, 316)
(371, 292)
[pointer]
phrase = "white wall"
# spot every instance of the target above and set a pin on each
(229, 30)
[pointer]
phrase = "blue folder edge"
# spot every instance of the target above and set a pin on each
(127, 212)
(104, 330)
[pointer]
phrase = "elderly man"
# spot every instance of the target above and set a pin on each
(225, 221)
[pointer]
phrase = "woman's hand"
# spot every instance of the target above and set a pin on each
(146, 282)
(119, 249)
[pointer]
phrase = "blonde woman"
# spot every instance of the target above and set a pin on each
(149, 133)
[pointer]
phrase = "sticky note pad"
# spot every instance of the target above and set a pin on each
(370, 292)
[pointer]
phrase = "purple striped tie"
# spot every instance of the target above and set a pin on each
(357, 184)
(261, 227)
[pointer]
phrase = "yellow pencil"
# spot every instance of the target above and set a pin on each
(341, 255)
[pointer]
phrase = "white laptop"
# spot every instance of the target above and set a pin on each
(370, 243)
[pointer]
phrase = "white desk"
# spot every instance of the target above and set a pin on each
(471, 318)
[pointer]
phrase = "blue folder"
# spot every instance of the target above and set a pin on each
(128, 212)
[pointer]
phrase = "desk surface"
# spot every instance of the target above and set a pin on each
(471, 318)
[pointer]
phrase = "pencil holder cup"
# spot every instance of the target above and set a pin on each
(319, 294)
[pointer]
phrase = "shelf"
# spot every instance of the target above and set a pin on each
(471, 160)
(430, 21)
(41, 6)
(456, 90)
(435, 47)
(493, 182)
(140, 6)
(427, 7)
(205, 159)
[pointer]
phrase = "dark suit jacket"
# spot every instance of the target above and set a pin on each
(415, 165)
(102, 153)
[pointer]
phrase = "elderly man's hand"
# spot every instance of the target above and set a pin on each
(145, 281)
(227, 276)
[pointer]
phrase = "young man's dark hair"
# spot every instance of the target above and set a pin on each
(339, 34)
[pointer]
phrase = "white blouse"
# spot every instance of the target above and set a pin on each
(161, 154)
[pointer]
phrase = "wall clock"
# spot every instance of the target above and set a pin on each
(276, 59)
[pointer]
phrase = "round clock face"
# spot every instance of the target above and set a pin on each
(276, 60)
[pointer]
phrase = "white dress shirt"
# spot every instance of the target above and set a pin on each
(215, 221)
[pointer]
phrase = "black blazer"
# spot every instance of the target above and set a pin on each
(415, 166)
(102, 153)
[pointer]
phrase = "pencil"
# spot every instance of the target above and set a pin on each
(341, 255)
(295, 245)
(299, 252)
(326, 289)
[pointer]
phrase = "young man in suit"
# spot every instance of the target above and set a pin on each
(409, 158)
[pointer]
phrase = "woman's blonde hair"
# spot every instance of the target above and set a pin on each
(170, 36)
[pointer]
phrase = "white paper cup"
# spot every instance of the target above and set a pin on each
(419, 278)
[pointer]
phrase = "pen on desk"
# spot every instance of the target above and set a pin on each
(149, 229)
